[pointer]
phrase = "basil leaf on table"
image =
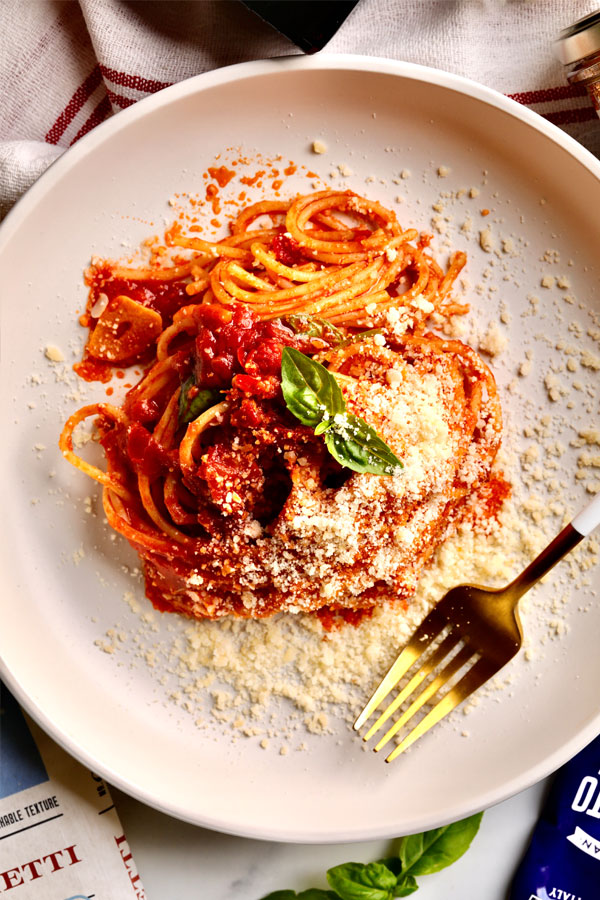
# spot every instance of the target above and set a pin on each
(407, 884)
(360, 881)
(423, 854)
(310, 894)
(190, 408)
(393, 863)
(310, 392)
(387, 879)
(356, 445)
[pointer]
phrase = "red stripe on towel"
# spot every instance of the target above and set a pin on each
(75, 104)
(568, 116)
(101, 112)
(147, 85)
(547, 95)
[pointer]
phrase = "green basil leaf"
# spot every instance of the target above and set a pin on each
(310, 392)
(190, 408)
(407, 884)
(313, 326)
(280, 895)
(422, 854)
(323, 426)
(393, 863)
(313, 395)
(317, 894)
(356, 445)
(360, 881)
(310, 894)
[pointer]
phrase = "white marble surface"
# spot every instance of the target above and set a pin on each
(177, 860)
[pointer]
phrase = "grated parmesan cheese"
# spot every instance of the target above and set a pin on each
(494, 341)
(54, 353)
(486, 241)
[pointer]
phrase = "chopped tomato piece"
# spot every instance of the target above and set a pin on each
(287, 250)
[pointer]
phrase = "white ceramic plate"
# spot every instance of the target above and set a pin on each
(62, 576)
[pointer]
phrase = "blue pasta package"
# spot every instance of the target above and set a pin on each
(562, 861)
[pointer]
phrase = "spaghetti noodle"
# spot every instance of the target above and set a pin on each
(233, 505)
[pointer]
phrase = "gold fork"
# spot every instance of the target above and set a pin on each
(470, 635)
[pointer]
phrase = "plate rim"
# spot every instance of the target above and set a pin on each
(252, 68)
(103, 132)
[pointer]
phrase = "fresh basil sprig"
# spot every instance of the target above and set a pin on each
(191, 407)
(422, 854)
(387, 879)
(363, 881)
(310, 392)
(356, 445)
(313, 395)
(310, 894)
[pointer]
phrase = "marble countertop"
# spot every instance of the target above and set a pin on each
(178, 860)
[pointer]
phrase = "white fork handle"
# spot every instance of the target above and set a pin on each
(589, 517)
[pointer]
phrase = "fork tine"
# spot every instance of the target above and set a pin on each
(427, 631)
(455, 664)
(432, 661)
(403, 663)
(468, 684)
